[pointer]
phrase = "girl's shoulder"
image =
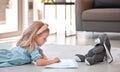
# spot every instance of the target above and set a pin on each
(37, 49)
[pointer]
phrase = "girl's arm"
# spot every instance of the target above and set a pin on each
(42, 62)
(44, 56)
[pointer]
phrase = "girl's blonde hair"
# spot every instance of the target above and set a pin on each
(29, 35)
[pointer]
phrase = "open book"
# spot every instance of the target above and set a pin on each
(65, 63)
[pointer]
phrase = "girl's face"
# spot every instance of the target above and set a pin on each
(42, 38)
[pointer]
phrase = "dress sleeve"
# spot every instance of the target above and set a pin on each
(36, 54)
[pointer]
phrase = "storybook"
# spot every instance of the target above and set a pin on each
(65, 63)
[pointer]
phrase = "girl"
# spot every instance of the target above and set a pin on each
(27, 48)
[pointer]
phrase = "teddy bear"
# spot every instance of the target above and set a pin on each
(99, 53)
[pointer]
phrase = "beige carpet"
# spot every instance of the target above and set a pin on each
(68, 51)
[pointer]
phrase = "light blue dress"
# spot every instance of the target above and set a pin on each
(19, 56)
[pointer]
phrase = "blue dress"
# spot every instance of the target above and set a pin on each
(19, 56)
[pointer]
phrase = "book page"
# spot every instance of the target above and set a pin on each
(65, 63)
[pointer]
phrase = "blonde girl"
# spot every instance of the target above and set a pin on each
(27, 48)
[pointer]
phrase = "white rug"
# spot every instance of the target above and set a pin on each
(68, 51)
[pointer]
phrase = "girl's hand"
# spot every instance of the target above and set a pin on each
(56, 60)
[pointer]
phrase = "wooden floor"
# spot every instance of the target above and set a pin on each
(83, 38)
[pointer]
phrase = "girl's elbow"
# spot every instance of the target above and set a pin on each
(40, 64)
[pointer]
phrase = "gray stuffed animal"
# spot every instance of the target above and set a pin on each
(99, 53)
